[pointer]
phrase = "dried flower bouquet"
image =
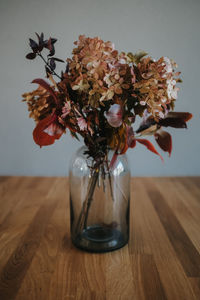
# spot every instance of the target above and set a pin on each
(98, 96)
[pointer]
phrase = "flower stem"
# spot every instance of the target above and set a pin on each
(46, 63)
(82, 221)
(95, 175)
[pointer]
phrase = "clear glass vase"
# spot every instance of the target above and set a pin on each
(99, 203)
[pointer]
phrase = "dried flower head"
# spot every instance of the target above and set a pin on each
(98, 70)
(40, 103)
(156, 86)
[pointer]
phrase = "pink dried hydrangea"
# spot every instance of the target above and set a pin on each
(157, 88)
(98, 70)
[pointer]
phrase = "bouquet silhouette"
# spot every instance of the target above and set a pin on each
(99, 95)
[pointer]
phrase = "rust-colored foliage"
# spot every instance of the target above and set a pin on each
(47, 131)
(100, 93)
(164, 140)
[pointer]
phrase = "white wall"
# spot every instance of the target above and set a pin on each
(162, 28)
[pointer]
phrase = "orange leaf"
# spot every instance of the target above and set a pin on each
(149, 146)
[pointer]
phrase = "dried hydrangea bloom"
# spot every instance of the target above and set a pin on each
(40, 103)
(97, 69)
(156, 85)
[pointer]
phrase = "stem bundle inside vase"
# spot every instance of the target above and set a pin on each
(97, 174)
(99, 200)
(82, 220)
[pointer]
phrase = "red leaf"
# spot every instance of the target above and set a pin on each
(149, 146)
(185, 116)
(49, 45)
(47, 87)
(176, 119)
(164, 140)
(131, 141)
(41, 137)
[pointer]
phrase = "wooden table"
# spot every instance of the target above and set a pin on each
(38, 260)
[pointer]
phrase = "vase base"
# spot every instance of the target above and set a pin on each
(99, 239)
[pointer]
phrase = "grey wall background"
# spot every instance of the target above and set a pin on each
(162, 28)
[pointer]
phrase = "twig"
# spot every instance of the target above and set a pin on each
(82, 221)
(110, 179)
(53, 72)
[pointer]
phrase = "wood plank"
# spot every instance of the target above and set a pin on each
(195, 283)
(192, 184)
(146, 278)
(119, 277)
(17, 212)
(190, 197)
(38, 276)
(87, 295)
(194, 179)
(38, 260)
(9, 193)
(4, 178)
(16, 267)
(185, 250)
(82, 272)
(91, 275)
(154, 241)
(182, 207)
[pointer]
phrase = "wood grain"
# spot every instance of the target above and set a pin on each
(147, 280)
(185, 250)
(149, 237)
(38, 260)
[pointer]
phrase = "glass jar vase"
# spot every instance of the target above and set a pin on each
(99, 202)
